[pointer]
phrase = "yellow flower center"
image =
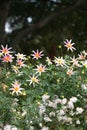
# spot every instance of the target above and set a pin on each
(69, 45)
(7, 58)
(16, 88)
(5, 51)
(34, 79)
(69, 73)
(40, 69)
(59, 61)
(37, 55)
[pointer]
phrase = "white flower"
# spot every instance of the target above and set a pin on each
(79, 110)
(84, 52)
(24, 113)
(15, 69)
(72, 113)
(57, 101)
(59, 61)
(31, 122)
(61, 112)
(45, 128)
(78, 122)
(33, 80)
(31, 128)
(85, 63)
(74, 60)
(47, 119)
(84, 86)
(7, 127)
(21, 56)
(73, 99)
(48, 60)
(51, 104)
(52, 114)
(62, 118)
(14, 128)
(69, 120)
(64, 101)
(42, 109)
(64, 108)
(40, 124)
(45, 97)
(70, 105)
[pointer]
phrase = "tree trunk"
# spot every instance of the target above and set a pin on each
(4, 11)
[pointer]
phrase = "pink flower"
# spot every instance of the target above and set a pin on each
(5, 50)
(7, 58)
(16, 88)
(82, 55)
(69, 45)
(36, 55)
(20, 63)
(70, 72)
(40, 68)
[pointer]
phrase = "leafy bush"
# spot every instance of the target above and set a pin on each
(43, 95)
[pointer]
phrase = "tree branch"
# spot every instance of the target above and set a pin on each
(46, 20)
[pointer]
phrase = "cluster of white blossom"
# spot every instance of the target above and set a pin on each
(84, 87)
(63, 111)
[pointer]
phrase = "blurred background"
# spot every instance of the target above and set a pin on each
(28, 25)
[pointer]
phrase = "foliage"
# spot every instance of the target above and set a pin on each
(45, 95)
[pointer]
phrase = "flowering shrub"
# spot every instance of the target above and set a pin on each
(43, 95)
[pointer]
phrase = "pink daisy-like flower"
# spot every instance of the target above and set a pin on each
(40, 68)
(16, 88)
(20, 63)
(69, 45)
(7, 58)
(36, 55)
(81, 56)
(5, 50)
(70, 72)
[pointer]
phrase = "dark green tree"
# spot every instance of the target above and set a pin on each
(43, 24)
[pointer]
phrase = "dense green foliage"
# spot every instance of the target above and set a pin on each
(34, 93)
